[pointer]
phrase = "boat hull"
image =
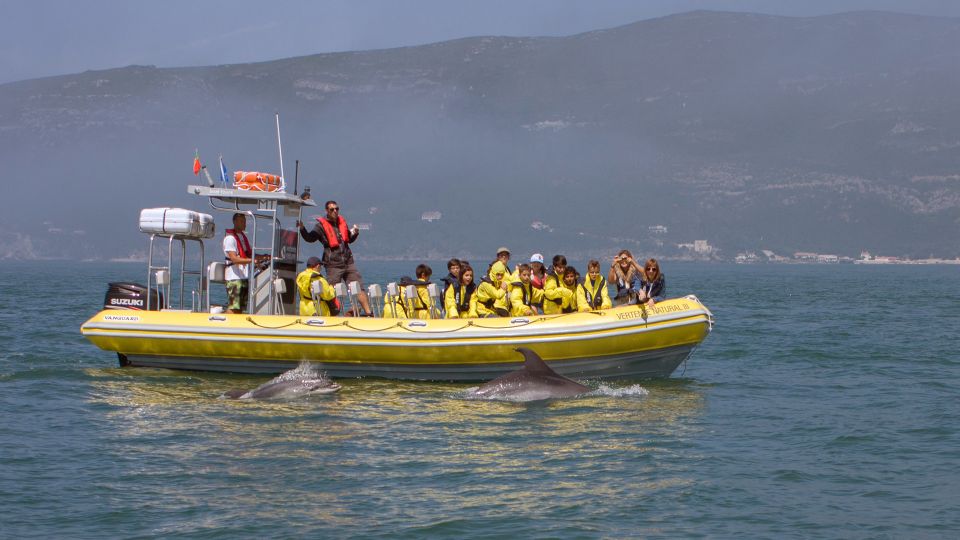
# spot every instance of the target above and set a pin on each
(624, 342)
(649, 364)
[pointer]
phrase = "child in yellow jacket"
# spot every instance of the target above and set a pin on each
(460, 300)
(524, 297)
(492, 299)
(592, 293)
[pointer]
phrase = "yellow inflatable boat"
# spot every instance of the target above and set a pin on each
(159, 325)
(623, 342)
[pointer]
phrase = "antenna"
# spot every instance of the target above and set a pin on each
(279, 145)
(296, 177)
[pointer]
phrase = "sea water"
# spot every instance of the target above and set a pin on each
(825, 404)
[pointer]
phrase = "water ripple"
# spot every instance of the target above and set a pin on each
(817, 409)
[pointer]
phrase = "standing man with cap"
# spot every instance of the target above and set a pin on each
(336, 239)
(305, 280)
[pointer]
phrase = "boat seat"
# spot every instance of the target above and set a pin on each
(216, 272)
(279, 288)
(375, 294)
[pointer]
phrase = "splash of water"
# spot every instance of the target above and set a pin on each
(634, 390)
(306, 371)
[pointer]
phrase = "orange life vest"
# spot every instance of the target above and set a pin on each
(332, 239)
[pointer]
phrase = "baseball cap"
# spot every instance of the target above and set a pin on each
(312, 261)
(536, 257)
(502, 250)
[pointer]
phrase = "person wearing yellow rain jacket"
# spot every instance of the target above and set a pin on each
(503, 256)
(422, 305)
(419, 306)
(327, 294)
(396, 306)
(492, 298)
(555, 295)
(592, 293)
(570, 279)
(460, 300)
(524, 297)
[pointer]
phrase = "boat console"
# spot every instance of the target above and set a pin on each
(173, 232)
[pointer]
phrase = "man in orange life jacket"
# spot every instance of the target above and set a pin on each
(332, 232)
(236, 248)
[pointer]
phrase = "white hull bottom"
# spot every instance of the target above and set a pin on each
(658, 363)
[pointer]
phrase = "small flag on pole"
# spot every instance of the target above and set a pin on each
(196, 163)
(223, 172)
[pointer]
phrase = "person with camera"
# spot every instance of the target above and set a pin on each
(336, 238)
(625, 274)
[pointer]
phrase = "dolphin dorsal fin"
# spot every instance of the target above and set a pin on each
(534, 364)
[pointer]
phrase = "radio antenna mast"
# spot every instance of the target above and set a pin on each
(296, 176)
(280, 147)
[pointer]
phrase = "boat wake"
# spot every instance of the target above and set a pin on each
(634, 390)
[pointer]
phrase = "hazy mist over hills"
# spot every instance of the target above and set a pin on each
(834, 134)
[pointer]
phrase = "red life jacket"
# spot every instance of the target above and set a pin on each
(243, 245)
(332, 240)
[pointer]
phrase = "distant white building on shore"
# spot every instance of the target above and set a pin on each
(746, 257)
(431, 216)
(657, 229)
(765, 256)
(700, 247)
(365, 226)
(773, 257)
(816, 257)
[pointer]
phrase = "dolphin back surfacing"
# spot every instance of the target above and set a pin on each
(296, 383)
(535, 381)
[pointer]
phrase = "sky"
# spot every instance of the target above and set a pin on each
(40, 38)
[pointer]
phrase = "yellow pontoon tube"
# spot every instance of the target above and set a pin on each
(623, 342)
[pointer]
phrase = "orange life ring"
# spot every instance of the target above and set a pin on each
(256, 181)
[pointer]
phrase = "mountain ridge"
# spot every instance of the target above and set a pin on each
(834, 133)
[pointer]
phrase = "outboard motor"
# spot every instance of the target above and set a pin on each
(131, 296)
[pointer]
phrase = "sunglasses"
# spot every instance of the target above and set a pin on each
(651, 268)
(332, 208)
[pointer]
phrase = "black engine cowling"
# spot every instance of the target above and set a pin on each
(131, 296)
